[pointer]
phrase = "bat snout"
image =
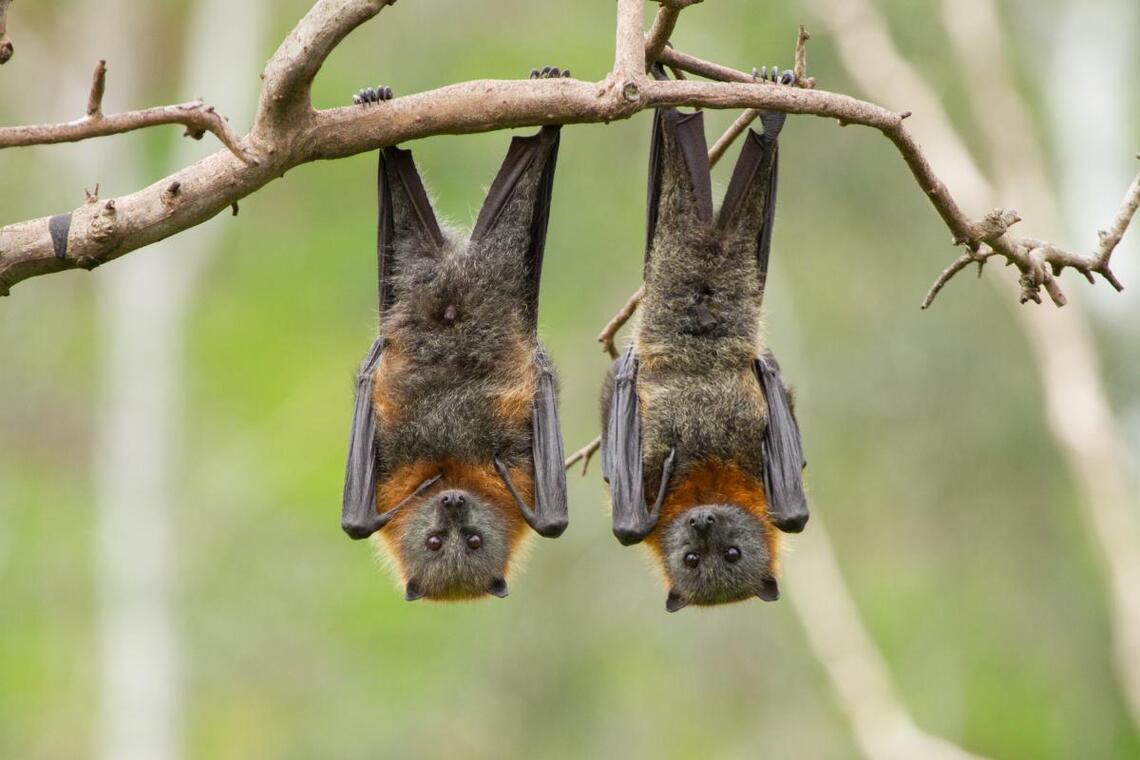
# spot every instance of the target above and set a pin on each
(452, 500)
(702, 520)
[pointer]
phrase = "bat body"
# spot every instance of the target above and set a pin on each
(699, 445)
(455, 447)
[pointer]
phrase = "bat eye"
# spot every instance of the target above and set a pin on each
(731, 554)
(692, 559)
(474, 541)
(434, 543)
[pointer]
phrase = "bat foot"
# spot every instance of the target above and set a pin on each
(549, 72)
(370, 95)
(774, 75)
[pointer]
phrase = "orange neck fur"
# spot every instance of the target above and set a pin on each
(714, 482)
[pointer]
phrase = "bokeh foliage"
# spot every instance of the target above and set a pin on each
(954, 516)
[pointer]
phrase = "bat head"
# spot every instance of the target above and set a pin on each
(453, 544)
(714, 554)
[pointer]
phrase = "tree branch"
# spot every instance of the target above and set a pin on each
(288, 132)
(663, 25)
(196, 116)
(7, 50)
(629, 55)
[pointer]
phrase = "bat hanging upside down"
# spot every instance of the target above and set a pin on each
(455, 446)
(699, 444)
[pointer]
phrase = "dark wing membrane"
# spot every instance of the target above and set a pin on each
(550, 512)
(500, 216)
(782, 451)
(678, 145)
(749, 208)
(548, 517)
(621, 456)
(406, 216)
(358, 515)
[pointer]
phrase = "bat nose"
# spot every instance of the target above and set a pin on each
(702, 520)
(452, 500)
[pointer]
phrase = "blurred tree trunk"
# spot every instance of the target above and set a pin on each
(1093, 128)
(1080, 417)
(142, 311)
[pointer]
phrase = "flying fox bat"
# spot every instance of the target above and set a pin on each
(700, 445)
(455, 446)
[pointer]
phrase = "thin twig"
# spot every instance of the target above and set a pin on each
(98, 87)
(800, 67)
(584, 455)
(735, 129)
(663, 24)
(606, 336)
(196, 116)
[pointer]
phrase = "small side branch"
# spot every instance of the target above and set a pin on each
(1042, 262)
(197, 117)
(98, 87)
(734, 131)
(663, 25)
(606, 336)
(584, 455)
(7, 50)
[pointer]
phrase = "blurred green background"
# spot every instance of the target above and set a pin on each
(954, 517)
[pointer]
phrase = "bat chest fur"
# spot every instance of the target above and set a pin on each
(719, 414)
(466, 410)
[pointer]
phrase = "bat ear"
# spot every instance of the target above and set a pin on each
(517, 208)
(749, 209)
(413, 591)
(407, 221)
(769, 590)
(498, 588)
(680, 186)
(674, 601)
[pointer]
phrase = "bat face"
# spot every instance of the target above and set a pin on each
(715, 554)
(453, 544)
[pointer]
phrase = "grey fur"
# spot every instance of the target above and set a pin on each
(715, 580)
(456, 569)
(455, 370)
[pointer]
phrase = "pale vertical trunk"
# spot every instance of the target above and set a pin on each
(1093, 128)
(883, 728)
(1080, 418)
(142, 309)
